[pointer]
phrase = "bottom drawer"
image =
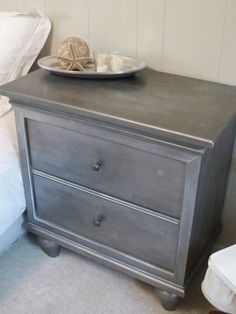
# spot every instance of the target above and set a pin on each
(130, 230)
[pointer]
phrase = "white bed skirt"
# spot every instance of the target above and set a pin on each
(12, 199)
(12, 234)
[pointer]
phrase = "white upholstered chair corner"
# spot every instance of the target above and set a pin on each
(219, 284)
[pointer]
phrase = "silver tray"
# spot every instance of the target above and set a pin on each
(131, 66)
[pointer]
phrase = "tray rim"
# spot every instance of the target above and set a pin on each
(92, 74)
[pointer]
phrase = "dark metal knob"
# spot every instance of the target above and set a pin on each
(97, 221)
(96, 166)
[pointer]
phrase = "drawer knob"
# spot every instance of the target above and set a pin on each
(96, 166)
(97, 221)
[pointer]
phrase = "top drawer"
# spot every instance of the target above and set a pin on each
(143, 172)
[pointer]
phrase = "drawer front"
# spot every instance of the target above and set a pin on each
(110, 164)
(147, 237)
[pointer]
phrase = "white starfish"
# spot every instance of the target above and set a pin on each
(75, 62)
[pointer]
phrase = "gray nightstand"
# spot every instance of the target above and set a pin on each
(130, 172)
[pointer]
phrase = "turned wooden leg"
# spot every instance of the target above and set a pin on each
(169, 300)
(49, 247)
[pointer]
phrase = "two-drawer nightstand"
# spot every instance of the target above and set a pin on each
(130, 172)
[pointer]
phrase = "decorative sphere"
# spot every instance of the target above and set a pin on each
(79, 46)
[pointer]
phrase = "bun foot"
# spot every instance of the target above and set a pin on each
(169, 300)
(49, 247)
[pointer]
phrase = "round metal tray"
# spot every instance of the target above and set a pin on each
(131, 66)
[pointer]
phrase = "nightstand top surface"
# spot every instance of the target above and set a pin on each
(174, 107)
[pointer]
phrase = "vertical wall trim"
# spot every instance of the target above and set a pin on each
(163, 36)
(222, 41)
(137, 27)
(45, 10)
(88, 12)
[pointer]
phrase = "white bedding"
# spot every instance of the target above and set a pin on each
(22, 36)
(12, 200)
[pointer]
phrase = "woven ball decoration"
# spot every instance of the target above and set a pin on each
(72, 49)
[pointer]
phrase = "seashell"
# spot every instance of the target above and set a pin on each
(116, 63)
(103, 62)
(109, 62)
(72, 49)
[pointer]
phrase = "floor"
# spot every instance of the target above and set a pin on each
(33, 283)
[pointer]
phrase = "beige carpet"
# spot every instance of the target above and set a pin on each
(33, 283)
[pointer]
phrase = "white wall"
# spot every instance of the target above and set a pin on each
(196, 38)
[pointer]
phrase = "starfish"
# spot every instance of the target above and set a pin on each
(75, 62)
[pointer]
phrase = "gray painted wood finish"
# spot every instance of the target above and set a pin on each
(131, 173)
(168, 300)
(49, 247)
(163, 105)
(125, 229)
(109, 165)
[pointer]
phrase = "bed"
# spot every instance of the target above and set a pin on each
(22, 36)
(12, 197)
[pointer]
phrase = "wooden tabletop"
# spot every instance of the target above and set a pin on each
(173, 107)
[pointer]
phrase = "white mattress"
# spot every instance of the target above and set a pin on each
(12, 200)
